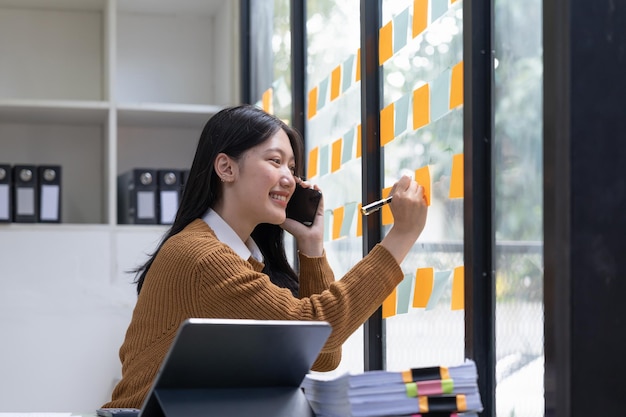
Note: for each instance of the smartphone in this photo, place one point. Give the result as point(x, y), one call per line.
point(303, 205)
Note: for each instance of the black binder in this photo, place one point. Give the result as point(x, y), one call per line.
point(49, 193)
point(236, 368)
point(6, 204)
point(25, 201)
point(137, 196)
point(169, 194)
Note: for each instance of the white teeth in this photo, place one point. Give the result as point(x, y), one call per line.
point(279, 197)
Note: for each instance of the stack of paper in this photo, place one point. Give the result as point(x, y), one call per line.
point(446, 391)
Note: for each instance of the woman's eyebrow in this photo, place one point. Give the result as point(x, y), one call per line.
point(282, 152)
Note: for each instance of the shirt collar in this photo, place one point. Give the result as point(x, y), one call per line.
point(227, 235)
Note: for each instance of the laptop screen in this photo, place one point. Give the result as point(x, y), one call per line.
point(227, 353)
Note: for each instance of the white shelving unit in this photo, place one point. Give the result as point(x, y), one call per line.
point(98, 87)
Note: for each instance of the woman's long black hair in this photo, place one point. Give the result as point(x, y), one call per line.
point(233, 131)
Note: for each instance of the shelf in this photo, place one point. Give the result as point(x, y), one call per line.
point(168, 115)
point(56, 112)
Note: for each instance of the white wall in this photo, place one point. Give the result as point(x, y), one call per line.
point(65, 303)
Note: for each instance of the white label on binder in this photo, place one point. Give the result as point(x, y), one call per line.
point(25, 201)
point(145, 205)
point(50, 202)
point(169, 206)
point(4, 201)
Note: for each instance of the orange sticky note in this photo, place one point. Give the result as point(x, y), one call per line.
point(359, 221)
point(458, 289)
point(385, 43)
point(312, 110)
point(337, 222)
point(335, 83)
point(314, 155)
point(420, 16)
point(389, 305)
point(456, 86)
point(387, 124)
point(421, 106)
point(456, 176)
point(358, 141)
point(387, 217)
point(267, 101)
point(335, 162)
point(357, 77)
point(424, 279)
point(422, 176)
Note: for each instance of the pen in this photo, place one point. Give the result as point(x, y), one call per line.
point(376, 205)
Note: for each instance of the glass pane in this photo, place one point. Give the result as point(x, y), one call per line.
point(333, 135)
point(274, 90)
point(421, 50)
point(518, 208)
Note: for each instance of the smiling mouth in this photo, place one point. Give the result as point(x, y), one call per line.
point(278, 197)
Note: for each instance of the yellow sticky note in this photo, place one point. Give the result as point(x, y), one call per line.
point(335, 162)
point(387, 124)
point(337, 222)
point(422, 176)
point(389, 305)
point(358, 141)
point(456, 86)
point(458, 289)
point(387, 217)
point(385, 43)
point(312, 110)
point(335, 83)
point(424, 279)
point(421, 106)
point(420, 16)
point(314, 155)
point(456, 176)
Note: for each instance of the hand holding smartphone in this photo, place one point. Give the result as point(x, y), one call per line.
point(303, 205)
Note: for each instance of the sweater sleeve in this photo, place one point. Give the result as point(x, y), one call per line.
point(228, 287)
point(315, 275)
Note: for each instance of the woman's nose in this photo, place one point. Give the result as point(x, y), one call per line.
point(288, 180)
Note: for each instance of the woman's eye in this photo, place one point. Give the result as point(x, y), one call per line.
point(276, 161)
point(293, 170)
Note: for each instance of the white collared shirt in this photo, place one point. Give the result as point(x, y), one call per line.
point(227, 235)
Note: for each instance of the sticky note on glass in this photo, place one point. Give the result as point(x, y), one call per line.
point(422, 176)
point(335, 83)
point(458, 288)
point(312, 162)
point(456, 176)
point(424, 278)
point(387, 127)
point(335, 162)
point(385, 43)
point(267, 100)
point(387, 217)
point(337, 222)
point(389, 305)
point(312, 109)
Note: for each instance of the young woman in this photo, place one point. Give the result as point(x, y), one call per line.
point(224, 256)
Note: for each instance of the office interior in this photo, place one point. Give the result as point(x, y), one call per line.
point(511, 112)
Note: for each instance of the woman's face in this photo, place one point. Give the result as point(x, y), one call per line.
point(265, 180)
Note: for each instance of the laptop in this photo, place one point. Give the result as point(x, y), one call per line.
point(228, 367)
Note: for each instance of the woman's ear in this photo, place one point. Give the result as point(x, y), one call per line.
point(224, 167)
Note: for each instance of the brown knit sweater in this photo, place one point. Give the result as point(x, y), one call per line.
point(196, 275)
